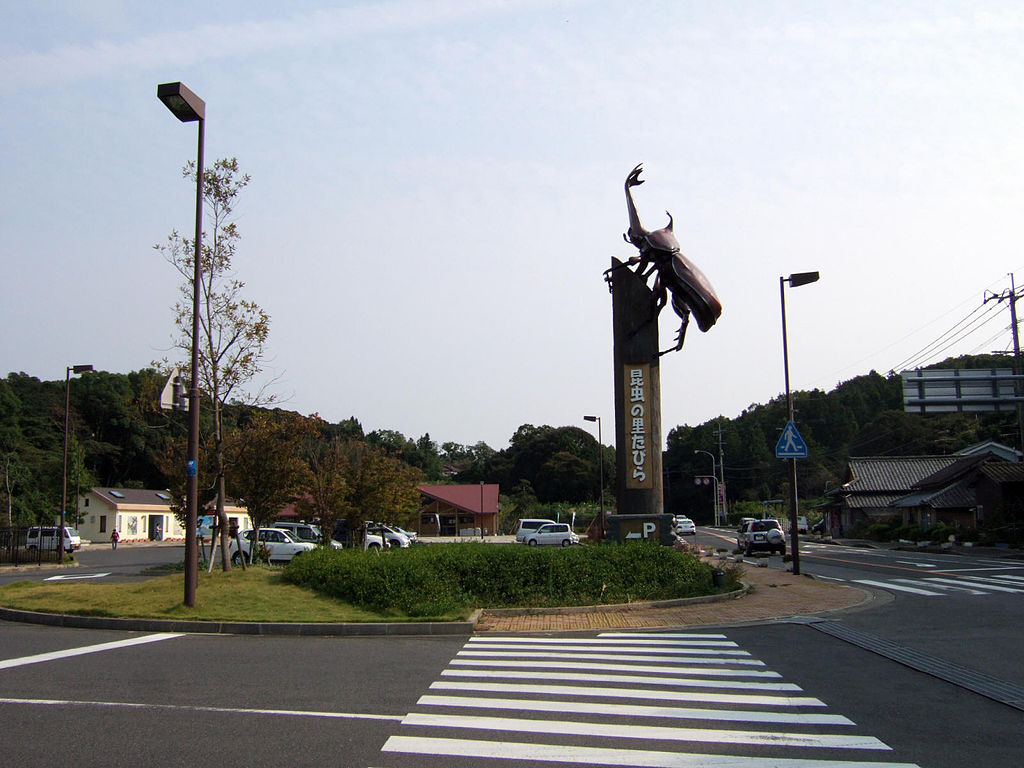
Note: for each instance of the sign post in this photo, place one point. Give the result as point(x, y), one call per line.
point(791, 446)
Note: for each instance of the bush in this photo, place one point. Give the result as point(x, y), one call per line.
point(442, 580)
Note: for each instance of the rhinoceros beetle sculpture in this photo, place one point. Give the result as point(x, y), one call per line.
point(659, 253)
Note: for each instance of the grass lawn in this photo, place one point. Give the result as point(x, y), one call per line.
point(257, 594)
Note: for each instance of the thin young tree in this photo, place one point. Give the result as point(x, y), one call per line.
point(233, 329)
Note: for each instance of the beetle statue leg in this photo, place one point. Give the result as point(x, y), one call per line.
point(680, 335)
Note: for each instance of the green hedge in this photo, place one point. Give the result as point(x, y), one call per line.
point(453, 579)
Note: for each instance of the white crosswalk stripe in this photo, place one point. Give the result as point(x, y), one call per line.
point(937, 585)
point(624, 699)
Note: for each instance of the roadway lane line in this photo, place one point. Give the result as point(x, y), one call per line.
point(649, 732)
point(522, 649)
point(583, 677)
point(897, 587)
point(633, 710)
point(219, 710)
point(68, 653)
point(527, 752)
point(625, 693)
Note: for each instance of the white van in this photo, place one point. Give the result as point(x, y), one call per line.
point(46, 538)
point(527, 526)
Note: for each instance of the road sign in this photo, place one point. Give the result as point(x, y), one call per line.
point(790, 445)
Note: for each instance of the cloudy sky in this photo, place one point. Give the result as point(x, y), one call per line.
point(437, 188)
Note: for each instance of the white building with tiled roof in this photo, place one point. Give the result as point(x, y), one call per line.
point(138, 514)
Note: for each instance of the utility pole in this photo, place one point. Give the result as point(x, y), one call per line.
point(721, 479)
point(1011, 296)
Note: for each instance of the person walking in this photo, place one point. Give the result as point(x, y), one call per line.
point(114, 538)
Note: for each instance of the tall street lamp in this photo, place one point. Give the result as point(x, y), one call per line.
point(64, 474)
point(715, 505)
point(795, 281)
point(600, 461)
point(189, 108)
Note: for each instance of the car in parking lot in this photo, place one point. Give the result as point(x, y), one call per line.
point(46, 537)
point(280, 546)
point(552, 534)
point(526, 526)
point(761, 536)
point(304, 532)
point(685, 526)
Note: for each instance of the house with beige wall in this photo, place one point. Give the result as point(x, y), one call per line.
point(138, 515)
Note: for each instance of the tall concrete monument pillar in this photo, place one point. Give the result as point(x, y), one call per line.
point(638, 478)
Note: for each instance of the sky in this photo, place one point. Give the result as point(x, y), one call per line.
point(437, 187)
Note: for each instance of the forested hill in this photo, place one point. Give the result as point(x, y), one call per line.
point(119, 437)
point(860, 417)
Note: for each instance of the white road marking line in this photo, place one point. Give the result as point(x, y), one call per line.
point(73, 577)
point(977, 582)
point(605, 656)
point(595, 756)
point(897, 587)
point(596, 641)
point(632, 710)
point(711, 671)
point(1008, 577)
point(670, 635)
point(648, 732)
point(956, 587)
point(916, 564)
point(222, 710)
point(642, 679)
point(623, 693)
point(68, 653)
point(619, 651)
point(586, 665)
point(988, 568)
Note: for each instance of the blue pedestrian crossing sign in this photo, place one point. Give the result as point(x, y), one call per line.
point(790, 445)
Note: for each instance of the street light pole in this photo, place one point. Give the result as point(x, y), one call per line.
point(64, 473)
point(600, 461)
point(795, 281)
point(715, 505)
point(188, 108)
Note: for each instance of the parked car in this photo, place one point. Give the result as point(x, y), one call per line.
point(801, 524)
point(281, 547)
point(818, 527)
point(554, 534)
point(685, 526)
point(45, 537)
point(412, 536)
point(526, 526)
point(304, 532)
point(373, 539)
point(760, 536)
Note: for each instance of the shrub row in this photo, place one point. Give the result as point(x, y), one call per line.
point(452, 579)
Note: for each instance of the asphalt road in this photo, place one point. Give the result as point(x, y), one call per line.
point(778, 694)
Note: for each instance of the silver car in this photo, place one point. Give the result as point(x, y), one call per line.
point(553, 534)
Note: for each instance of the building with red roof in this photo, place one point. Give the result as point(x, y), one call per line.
point(458, 510)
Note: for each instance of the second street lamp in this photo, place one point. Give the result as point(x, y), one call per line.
point(795, 281)
point(600, 461)
point(715, 505)
point(189, 108)
point(64, 473)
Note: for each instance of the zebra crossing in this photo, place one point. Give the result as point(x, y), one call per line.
point(663, 700)
point(945, 585)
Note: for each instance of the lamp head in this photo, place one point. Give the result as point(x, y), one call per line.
point(184, 104)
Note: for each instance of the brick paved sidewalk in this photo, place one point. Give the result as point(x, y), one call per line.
point(773, 594)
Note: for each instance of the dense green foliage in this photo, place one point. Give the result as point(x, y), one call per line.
point(119, 437)
point(451, 579)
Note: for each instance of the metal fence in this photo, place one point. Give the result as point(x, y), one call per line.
point(14, 550)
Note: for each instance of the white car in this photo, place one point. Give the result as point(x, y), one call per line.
point(412, 536)
point(46, 538)
point(372, 539)
point(554, 534)
point(280, 546)
point(685, 526)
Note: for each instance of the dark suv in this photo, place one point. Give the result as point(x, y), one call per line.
point(760, 536)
